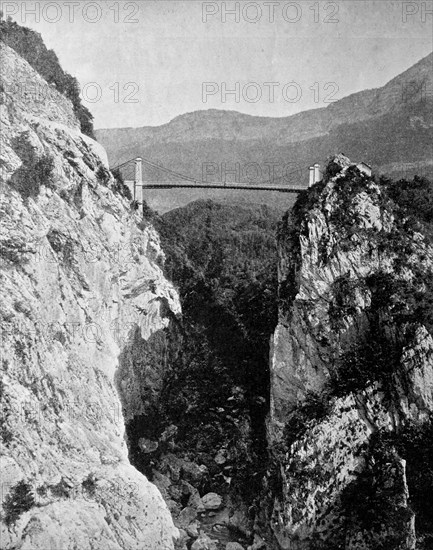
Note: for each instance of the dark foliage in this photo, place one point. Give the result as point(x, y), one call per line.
point(415, 444)
point(223, 260)
point(19, 500)
point(198, 373)
point(289, 230)
point(344, 289)
point(29, 45)
point(383, 288)
point(406, 301)
point(89, 485)
point(103, 174)
point(347, 187)
point(305, 202)
point(374, 359)
point(27, 180)
point(315, 407)
point(372, 501)
point(120, 186)
point(61, 489)
point(332, 168)
point(149, 214)
point(414, 197)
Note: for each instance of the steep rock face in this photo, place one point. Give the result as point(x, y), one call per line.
point(348, 365)
point(81, 275)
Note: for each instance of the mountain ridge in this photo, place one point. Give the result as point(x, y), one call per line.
point(235, 116)
point(390, 128)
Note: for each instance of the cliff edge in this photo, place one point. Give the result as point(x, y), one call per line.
point(352, 369)
point(81, 273)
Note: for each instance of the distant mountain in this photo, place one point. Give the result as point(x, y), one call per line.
point(389, 128)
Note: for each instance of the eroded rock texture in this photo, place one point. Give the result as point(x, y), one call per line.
point(81, 276)
point(351, 367)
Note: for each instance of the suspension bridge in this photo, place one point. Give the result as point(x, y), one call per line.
point(132, 173)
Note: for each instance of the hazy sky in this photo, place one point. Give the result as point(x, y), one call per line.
point(311, 52)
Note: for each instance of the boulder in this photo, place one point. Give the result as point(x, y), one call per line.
point(192, 472)
point(258, 544)
point(169, 432)
point(212, 501)
point(204, 543)
point(239, 521)
point(221, 457)
point(147, 445)
point(196, 502)
point(193, 529)
point(182, 540)
point(186, 516)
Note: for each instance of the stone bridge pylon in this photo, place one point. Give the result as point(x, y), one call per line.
point(136, 185)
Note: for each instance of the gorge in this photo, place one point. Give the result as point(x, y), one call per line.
point(216, 377)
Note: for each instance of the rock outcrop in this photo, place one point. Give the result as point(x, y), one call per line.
point(81, 276)
point(351, 367)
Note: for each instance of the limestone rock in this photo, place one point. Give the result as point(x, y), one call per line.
point(212, 501)
point(204, 543)
point(258, 544)
point(147, 445)
point(196, 502)
point(186, 516)
point(182, 541)
point(81, 276)
point(239, 520)
point(221, 457)
point(339, 239)
point(193, 529)
point(193, 472)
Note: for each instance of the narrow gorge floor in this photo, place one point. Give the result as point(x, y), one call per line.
point(198, 432)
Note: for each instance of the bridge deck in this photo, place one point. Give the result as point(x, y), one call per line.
point(219, 185)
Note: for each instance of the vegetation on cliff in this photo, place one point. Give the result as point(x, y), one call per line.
point(64, 258)
point(376, 315)
point(29, 45)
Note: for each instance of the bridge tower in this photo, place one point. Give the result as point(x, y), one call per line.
point(311, 180)
point(315, 174)
point(138, 180)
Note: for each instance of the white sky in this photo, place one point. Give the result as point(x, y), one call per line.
point(169, 52)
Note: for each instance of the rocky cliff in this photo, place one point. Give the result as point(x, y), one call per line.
point(351, 370)
point(81, 276)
